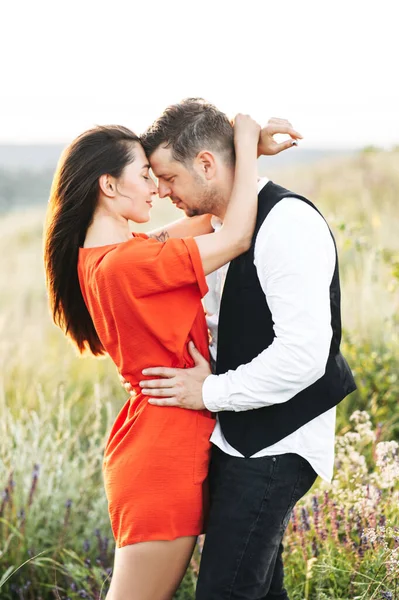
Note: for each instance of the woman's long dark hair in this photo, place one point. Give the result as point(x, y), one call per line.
point(73, 200)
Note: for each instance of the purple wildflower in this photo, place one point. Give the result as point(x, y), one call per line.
point(305, 519)
point(35, 476)
point(315, 549)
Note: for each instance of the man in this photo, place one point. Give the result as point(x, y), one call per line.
point(279, 371)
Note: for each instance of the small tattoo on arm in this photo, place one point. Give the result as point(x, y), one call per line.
point(162, 236)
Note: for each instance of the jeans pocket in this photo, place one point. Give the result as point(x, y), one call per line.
point(202, 447)
point(305, 479)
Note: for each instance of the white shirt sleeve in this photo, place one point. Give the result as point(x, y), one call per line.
point(295, 261)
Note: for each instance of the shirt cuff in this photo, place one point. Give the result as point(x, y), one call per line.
point(214, 394)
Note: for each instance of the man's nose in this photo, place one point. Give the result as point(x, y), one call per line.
point(163, 190)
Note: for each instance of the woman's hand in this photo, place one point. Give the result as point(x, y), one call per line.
point(246, 132)
point(267, 144)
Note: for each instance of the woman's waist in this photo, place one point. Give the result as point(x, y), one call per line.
point(142, 425)
point(138, 402)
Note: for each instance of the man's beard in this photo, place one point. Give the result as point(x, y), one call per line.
point(208, 201)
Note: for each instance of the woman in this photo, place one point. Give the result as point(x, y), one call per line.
point(139, 300)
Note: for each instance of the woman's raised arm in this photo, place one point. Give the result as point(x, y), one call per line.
point(235, 235)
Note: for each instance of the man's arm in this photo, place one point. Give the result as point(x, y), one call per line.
point(295, 260)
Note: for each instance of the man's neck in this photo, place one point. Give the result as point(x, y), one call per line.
point(225, 190)
point(220, 208)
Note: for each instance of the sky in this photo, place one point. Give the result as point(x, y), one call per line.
point(330, 67)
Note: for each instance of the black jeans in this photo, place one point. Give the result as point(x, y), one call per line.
point(251, 503)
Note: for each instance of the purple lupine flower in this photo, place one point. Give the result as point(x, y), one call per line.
point(105, 545)
point(334, 521)
point(22, 517)
point(387, 595)
point(5, 496)
point(316, 513)
point(86, 545)
point(294, 520)
point(98, 536)
point(68, 505)
point(315, 548)
point(35, 477)
point(305, 519)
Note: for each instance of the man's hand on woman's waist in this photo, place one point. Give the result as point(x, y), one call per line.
point(177, 387)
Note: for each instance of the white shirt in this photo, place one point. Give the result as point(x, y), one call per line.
point(295, 261)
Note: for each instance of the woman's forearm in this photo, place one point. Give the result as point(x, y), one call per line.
point(239, 220)
point(186, 227)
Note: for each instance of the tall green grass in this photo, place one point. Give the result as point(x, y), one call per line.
point(56, 410)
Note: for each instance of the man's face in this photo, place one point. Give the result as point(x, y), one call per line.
point(187, 188)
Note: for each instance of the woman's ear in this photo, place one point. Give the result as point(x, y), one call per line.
point(107, 185)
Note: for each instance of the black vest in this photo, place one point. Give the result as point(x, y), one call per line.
point(246, 329)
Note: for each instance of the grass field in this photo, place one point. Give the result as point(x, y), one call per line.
point(56, 410)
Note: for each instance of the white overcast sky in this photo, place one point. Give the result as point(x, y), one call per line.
point(330, 66)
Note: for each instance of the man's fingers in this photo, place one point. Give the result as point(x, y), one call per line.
point(166, 402)
point(159, 392)
point(158, 383)
point(196, 355)
point(159, 372)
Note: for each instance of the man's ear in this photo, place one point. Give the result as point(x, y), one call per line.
point(206, 163)
point(107, 185)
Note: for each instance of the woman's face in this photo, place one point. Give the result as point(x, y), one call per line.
point(135, 189)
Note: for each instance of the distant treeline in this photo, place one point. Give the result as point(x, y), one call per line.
point(23, 187)
point(26, 175)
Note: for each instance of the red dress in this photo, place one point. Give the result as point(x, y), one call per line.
point(144, 297)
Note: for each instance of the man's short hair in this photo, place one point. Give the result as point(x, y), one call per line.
point(188, 128)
